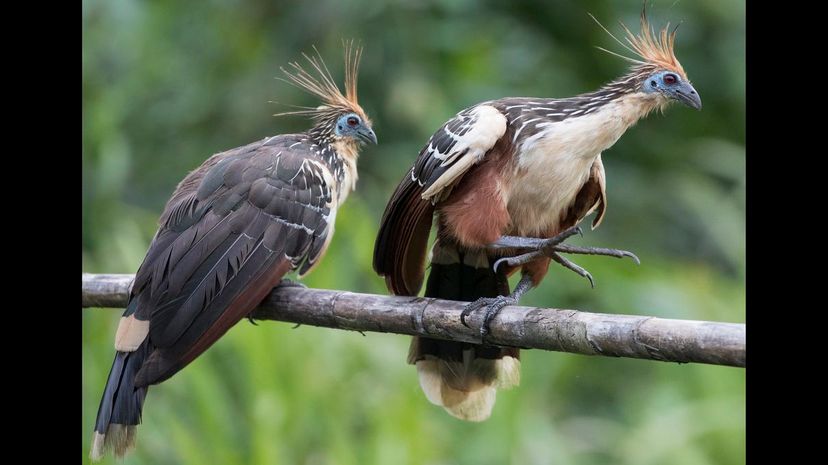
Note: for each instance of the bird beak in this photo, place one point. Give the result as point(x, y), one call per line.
point(366, 135)
point(686, 94)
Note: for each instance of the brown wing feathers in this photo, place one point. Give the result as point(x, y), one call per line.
point(239, 295)
point(210, 271)
point(402, 240)
point(401, 246)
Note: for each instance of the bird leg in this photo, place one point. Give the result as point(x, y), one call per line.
point(493, 305)
point(552, 248)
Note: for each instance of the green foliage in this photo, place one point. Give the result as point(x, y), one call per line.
point(166, 84)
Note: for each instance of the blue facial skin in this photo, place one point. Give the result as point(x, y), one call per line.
point(672, 86)
point(351, 125)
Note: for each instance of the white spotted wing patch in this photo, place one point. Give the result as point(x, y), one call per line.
point(460, 143)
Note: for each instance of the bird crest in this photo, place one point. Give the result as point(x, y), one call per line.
point(654, 48)
point(323, 86)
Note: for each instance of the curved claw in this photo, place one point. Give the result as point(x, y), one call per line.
point(499, 262)
point(468, 309)
point(251, 320)
point(589, 277)
point(631, 255)
point(463, 319)
point(572, 266)
point(553, 241)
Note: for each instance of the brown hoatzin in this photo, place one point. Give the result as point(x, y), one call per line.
point(509, 180)
point(232, 229)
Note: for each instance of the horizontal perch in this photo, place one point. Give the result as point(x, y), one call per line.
point(517, 326)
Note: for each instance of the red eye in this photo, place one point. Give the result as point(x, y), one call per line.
point(670, 79)
point(352, 121)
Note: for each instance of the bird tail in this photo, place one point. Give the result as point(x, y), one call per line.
point(121, 404)
point(460, 377)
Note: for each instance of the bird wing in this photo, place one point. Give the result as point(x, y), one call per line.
point(230, 232)
point(402, 240)
point(591, 197)
point(459, 144)
point(598, 177)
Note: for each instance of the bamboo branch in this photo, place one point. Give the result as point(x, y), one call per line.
point(517, 326)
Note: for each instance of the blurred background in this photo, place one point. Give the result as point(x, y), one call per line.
point(166, 84)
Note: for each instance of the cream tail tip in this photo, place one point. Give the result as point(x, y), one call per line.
point(119, 438)
point(472, 405)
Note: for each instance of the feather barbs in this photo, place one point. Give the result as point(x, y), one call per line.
point(654, 48)
point(319, 82)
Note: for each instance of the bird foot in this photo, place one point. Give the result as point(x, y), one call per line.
point(552, 248)
point(492, 306)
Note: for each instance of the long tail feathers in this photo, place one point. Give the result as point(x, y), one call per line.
point(121, 405)
point(463, 378)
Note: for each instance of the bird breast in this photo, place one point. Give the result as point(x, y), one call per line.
point(552, 165)
point(543, 187)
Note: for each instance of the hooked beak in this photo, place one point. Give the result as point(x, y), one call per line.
point(686, 94)
point(366, 135)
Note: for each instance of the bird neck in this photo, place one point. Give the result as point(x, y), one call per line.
point(624, 111)
point(345, 147)
point(322, 133)
point(348, 151)
point(589, 130)
point(340, 154)
point(603, 116)
point(623, 93)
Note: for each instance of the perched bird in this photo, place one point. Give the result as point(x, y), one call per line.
point(232, 229)
point(505, 177)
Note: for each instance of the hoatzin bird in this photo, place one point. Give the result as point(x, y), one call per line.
point(509, 180)
point(232, 229)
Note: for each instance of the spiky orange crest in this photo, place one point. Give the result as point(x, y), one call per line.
point(324, 86)
point(654, 49)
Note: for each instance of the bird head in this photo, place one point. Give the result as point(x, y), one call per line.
point(339, 118)
point(658, 72)
point(670, 85)
point(352, 125)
